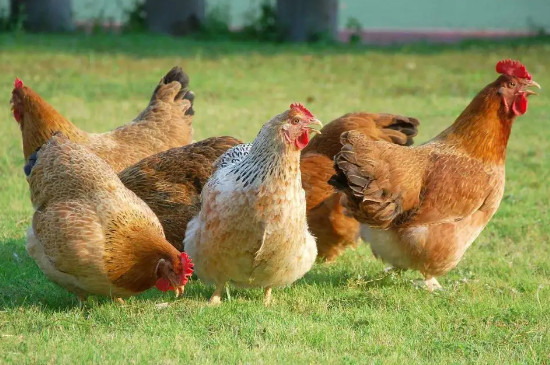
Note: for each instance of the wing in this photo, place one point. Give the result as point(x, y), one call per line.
point(394, 186)
point(382, 181)
point(71, 236)
point(233, 155)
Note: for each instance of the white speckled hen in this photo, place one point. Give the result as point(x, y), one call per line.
point(252, 230)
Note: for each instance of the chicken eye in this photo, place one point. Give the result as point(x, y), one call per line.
point(511, 84)
point(294, 121)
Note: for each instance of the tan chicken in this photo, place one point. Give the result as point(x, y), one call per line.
point(90, 234)
point(171, 182)
point(251, 230)
point(164, 124)
point(333, 229)
point(421, 207)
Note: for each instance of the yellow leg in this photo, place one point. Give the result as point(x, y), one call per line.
point(432, 284)
point(216, 298)
point(119, 301)
point(267, 296)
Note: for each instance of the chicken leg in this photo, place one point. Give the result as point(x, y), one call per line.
point(432, 284)
point(267, 296)
point(216, 297)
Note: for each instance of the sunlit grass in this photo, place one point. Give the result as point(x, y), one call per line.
point(496, 303)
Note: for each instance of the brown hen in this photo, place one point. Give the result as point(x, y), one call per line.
point(89, 233)
point(164, 124)
point(423, 206)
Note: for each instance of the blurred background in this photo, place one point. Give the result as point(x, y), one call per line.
point(356, 21)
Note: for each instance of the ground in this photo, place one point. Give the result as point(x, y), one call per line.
point(496, 304)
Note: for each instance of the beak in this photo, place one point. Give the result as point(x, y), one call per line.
point(531, 83)
point(315, 122)
point(179, 290)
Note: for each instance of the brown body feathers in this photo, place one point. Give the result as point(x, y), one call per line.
point(423, 206)
point(164, 124)
point(171, 182)
point(90, 234)
point(333, 229)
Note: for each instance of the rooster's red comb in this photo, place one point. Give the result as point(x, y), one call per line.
point(302, 108)
point(513, 68)
point(18, 84)
point(187, 268)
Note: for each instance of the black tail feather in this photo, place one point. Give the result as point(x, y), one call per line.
point(31, 162)
point(177, 74)
point(406, 125)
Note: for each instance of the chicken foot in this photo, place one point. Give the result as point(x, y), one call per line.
point(216, 297)
point(430, 283)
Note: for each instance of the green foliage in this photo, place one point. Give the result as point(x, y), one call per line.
point(13, 22)
point(496, 304)
point(216, 24)
point(355, 26)
point(136, 18)
point(263, 26)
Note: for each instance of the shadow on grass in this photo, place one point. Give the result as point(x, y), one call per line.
point(23, 285)
point(149, 45)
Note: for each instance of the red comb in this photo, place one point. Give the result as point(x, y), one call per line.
point(187, 269)
point(301, 108)
point(513, 68)
point(18, 84)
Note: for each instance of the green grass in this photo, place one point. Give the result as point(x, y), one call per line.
point(496, 303)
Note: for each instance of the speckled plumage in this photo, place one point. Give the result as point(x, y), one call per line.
point(164, 124)
point(171, 182)
point(334, 230)
point(89, 233)
point(233, 155)
point(251, 230)
point(422, 207)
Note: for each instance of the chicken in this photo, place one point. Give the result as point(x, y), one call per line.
point(333, 229)
point(251, 229)
point(164, 124)
point(421, 207)
point(90, 234)
point(171, 182)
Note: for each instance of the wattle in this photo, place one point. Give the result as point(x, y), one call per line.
point(302, 141)
point(520, 105)
point(17, 115)
point(163, 284)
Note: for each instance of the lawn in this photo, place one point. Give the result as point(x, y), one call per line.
point(496, 304)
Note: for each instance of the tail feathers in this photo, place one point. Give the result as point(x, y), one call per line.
point(401, 129)
point(176, 74)
point(31, 162)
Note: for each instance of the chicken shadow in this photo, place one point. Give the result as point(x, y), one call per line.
point(338, 276)
point(23, 285)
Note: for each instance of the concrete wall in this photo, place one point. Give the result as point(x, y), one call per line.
point(515, 15)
